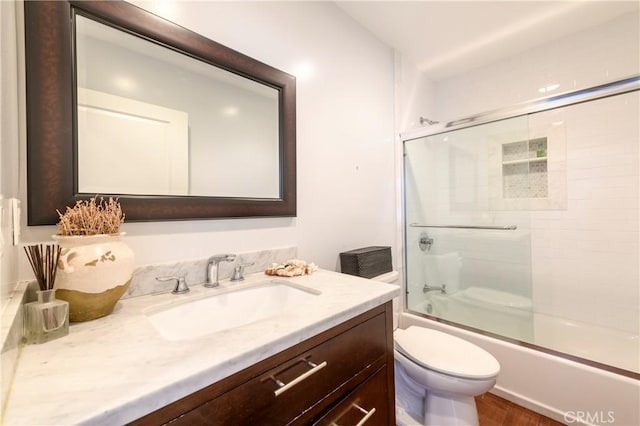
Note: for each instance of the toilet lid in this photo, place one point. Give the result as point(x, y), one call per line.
point(445, 353)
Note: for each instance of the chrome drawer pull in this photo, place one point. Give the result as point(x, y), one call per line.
point(367, 414)
point(315, 368)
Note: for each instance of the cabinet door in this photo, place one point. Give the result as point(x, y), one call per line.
point(366, 406)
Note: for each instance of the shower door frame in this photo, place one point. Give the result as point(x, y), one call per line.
point(618, 87)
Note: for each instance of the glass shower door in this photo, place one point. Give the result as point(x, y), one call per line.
point(467, 200)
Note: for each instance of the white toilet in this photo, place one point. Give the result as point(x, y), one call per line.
point(437, 376)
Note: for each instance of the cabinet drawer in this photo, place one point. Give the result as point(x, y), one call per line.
point(278, 396)
point(366, 406)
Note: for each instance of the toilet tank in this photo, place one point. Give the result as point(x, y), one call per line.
point(392, 277)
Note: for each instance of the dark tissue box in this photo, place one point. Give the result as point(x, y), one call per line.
point(366, 262)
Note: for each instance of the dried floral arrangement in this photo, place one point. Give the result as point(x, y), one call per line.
point(91, 217)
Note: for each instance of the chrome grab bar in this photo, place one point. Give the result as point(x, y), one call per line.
point(285, 387)
point(499, 228)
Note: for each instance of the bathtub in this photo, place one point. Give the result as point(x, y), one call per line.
point(487, 309)
point(559, 387)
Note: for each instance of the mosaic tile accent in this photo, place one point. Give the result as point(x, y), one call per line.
point(515, 180)
point(524, 169)
point(515, 151)
point(538, 180)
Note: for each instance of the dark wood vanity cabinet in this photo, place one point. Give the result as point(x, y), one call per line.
point(339, 377)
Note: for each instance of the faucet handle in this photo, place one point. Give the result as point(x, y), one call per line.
point(181, 285)
point(238, 271)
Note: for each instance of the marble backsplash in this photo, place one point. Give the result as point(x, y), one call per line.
point(194, 271)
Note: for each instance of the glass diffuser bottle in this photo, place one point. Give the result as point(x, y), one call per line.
point(47, 318)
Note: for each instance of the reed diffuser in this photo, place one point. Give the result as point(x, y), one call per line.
point(47, 318)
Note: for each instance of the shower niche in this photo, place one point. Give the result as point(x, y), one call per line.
point(525, 169)
point(528, 167)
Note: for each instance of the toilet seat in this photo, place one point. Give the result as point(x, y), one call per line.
point(454, 356)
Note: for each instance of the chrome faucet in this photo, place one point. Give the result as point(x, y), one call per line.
point(442, 289)
point(213, 266)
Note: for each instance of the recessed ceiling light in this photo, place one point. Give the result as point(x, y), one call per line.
point(303, 70)
point(230, 111)
point(124, 83)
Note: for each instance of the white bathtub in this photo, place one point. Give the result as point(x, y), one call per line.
point(511, 316)
point(486, 309)
point(568, 391)
point(611, 347)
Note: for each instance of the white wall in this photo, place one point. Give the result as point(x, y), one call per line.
point(602, 54)
point(345, 155)
point(415, 94)
point(9, 134)
point(595, 56)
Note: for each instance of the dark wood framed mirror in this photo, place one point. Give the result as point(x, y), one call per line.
point(54, 113)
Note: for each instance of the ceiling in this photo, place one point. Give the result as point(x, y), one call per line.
point(445, 38)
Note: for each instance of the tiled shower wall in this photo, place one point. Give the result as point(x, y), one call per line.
point(585, 258)
point(585, 255)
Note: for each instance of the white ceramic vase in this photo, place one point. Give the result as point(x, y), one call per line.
point(93, 273)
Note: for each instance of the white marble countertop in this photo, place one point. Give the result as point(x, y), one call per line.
point(118, 368)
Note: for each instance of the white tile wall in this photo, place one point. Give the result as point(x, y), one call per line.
point(585, 259)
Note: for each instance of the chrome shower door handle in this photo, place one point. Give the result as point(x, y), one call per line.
point(425, 242)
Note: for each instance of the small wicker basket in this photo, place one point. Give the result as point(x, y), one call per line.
point(366, 262)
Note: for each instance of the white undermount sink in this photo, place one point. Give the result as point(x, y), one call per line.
point(228, 309)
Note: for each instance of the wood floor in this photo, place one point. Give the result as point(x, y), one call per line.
point(495, 411)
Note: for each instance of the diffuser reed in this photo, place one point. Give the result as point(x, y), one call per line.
point(44, 262)
point(47, 318)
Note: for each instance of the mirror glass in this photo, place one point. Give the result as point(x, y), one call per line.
point(152, 121)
